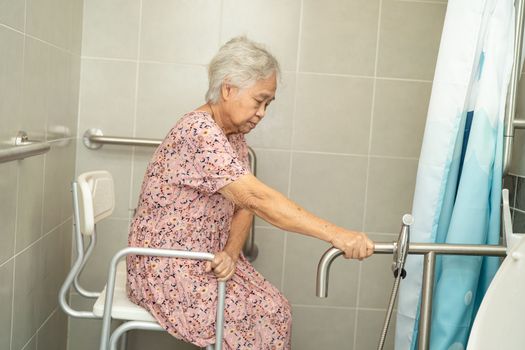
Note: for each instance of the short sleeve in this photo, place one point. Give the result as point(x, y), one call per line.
point(240, 147)
point(215, 160)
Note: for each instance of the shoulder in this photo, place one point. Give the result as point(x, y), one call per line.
point(196, 125)
point(195, 121)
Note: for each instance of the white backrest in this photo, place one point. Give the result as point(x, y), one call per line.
point(96, 199)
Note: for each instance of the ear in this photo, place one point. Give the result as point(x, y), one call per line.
point(228, 91)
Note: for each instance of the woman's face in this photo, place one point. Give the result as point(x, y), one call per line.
point(246, 107)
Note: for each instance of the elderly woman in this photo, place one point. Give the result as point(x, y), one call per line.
point(199, 195)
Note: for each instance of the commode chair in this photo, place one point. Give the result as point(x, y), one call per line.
point(94, 200)
point(501, 316)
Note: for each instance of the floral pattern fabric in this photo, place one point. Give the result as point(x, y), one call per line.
point(179, 208)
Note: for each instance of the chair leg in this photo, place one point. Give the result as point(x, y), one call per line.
point(124, 341)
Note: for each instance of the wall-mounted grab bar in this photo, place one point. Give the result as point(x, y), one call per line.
point(510, 111)
point(95, 139)
point(429, 250)
point(22, 148)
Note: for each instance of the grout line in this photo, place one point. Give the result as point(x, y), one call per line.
point(294, 115)
point(307, 306)
point(39, 328)
point(135, 109)
point(17, 186)
point(132, 60)
point(54, 229)
point(44, 161)
point(357, 76)
point(335, 307)
point(335, 153)
point(7, 261)
point(13, 28)
point(370, 135)
point(96, 58)
point(425, 2)
point(515, 179)
point(221, 15)
point(297, 72)
point(518, 210)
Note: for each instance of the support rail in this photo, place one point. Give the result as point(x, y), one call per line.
point(429, 250)
point(95, 139)
point(510, 112)
point(23, 148)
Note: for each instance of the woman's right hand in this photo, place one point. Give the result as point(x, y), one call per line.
point(355, 245)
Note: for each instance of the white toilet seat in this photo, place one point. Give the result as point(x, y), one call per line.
point(501, 317)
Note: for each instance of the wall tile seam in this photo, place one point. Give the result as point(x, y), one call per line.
point(40, 40)
point(12, 304)
point(522, 211)
point(357, 155)
point(118, 218)
point(190, 64)
point(142, 61)
point(425, 2)
point(294, 112)
point(17, 193)
point(356, 76)
point(368, 163)
point(60, 140)
point(7, 26)
point(64, 50)
point(55, 229)
point(516, 175)
point(35, 335)
point(220, 32)
point(43, 194)
point(135, 109)
point(332, 307)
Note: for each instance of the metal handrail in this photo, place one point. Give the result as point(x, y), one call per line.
point(429, 250)
point(23, 148)
point(510, 112)
point(94, 139)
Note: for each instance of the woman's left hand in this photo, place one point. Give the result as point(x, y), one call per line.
point(223, 266)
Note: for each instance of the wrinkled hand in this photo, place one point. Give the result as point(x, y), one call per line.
point(223, 266)
point(355, 245)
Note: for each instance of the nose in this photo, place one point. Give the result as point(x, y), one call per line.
point(261, 111)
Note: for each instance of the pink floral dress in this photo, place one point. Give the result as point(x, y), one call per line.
point(179, 208)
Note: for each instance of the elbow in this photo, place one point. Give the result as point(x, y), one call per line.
point(252, 202)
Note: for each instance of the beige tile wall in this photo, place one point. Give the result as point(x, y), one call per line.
point(39, 81)
point(342, 138)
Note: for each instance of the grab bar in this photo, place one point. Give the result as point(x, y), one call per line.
point(23, 148)
point(94, 139)
point(429, 250)
point(510, 112)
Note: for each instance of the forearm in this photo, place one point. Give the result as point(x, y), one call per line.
point(251, 194)
point(282, 212)
point(240, 227)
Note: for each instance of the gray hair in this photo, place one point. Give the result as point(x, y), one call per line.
point(240, 62)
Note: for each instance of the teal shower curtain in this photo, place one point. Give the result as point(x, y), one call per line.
point(458, 187)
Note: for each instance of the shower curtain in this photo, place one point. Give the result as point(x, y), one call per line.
point(458, 187)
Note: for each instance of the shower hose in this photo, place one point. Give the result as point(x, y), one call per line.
point(398, 264)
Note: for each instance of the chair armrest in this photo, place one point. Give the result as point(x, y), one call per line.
point(106, 320)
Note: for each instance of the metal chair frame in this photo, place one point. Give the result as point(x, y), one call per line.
point(107, 340)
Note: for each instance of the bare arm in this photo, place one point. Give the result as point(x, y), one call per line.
point(240, 227)
point(224, 263)
point(250, 193)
